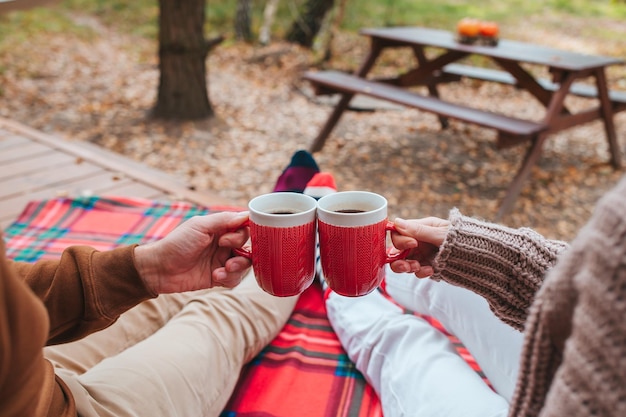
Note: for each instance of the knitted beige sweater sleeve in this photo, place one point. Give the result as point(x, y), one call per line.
point(504, 265)
point(574, 357)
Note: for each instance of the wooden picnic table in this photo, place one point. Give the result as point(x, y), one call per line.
point(565, 68)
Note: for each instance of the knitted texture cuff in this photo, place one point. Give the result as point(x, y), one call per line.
point(504, 265)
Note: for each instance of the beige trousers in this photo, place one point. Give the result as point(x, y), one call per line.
point(174, 356)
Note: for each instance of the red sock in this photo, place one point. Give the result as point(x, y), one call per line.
point(320, 185)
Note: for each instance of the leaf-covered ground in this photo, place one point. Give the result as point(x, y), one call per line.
point(100, 90)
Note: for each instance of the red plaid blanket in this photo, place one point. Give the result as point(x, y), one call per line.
point(304, 372)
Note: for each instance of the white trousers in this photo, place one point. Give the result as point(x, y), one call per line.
point(179, 355)
point(413, 367)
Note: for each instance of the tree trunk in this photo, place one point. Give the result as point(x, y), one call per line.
point(268, 19)
point(183, 92)
point(242, 21)
point(334, 29)
point(304, 29)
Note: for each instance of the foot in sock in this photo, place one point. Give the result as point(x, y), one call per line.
point(298, 173)
point(322, 183)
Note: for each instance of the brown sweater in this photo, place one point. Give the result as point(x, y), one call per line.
point(54, 302)
point(574, 357)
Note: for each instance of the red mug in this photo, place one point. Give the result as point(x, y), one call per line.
point(282, 236)
point(352, 227)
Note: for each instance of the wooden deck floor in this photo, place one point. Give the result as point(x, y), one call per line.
point(35, 165)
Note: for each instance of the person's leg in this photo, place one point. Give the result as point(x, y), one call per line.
point(193, 361)
point(413, 367)
point(495, 345)
point(132, 327)
point(294, 178)
point(191, 365)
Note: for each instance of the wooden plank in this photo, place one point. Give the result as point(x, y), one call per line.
point(347, 83)
point(104, 181)
point(133, 189)
point(22, 151)
point(34, 164)
point(46, 178)
point(505, 50)
point(117, 163)
point(618, 98)
point(10, 139)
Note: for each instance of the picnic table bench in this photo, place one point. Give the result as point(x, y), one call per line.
point(510, 130)
point(617, 98)
point(567, 69)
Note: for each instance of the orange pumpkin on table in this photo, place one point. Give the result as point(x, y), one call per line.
point(468, 27)
point(489, 29)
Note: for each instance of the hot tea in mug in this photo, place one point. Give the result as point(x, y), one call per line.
point(282, 234)
point(352, 227)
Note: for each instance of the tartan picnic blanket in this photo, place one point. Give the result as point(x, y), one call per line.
point(305, 360)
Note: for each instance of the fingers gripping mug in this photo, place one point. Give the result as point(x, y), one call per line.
point(352, 227)
point(282, 234)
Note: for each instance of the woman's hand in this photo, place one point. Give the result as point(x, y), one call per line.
point(423, 237)
point(196, 255)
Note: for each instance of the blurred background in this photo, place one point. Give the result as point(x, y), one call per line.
point(212, 92)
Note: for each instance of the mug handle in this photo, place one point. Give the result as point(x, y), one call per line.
point(246, 252)
point(402, 255)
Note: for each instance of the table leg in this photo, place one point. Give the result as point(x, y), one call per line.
point(532, 156)
point(557, 102)
point(418, 51)
point(341, 106)
point(428, 68)
point(607, 115)
point(554, 108)
point(526, 81)
point(332, 120)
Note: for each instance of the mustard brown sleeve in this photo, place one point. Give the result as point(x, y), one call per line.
point(85, 290)
point(27, 382)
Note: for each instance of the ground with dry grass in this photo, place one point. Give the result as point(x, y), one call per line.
point(100, 90)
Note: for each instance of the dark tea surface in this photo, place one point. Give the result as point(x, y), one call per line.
point(349, 211)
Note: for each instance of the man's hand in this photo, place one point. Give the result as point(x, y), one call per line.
point(196, 255)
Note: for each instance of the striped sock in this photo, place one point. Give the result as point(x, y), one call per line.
point(298, 173)
point(319, 273)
